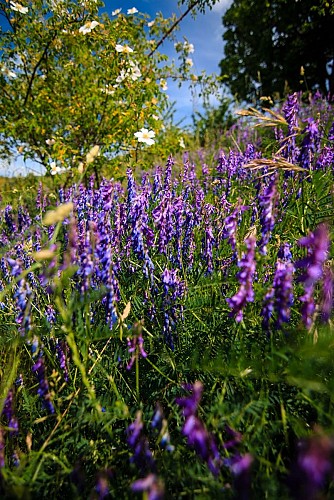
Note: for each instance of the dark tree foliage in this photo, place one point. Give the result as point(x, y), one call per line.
point(268, 42)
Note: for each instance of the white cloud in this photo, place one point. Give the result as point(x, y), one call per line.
point(222, 5)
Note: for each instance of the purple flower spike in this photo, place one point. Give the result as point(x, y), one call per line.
point(327, 294)
point(267, 203)
point(8, 412)
point(195, 431)
point(136, 345)
point(151, 485)
point(245, 276)
point(136, 440)
point(314, 466)
point(317, 244)
point(43, 390)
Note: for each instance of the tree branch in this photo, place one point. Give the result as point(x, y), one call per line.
point(172, 28)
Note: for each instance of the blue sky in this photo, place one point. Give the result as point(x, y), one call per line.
point(204, 32)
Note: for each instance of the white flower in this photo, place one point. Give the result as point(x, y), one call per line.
point(188, 48)
point(50, 142)
point(18, 8)
point(135, 72)
point(150, 24)
point(88, 27)
point(55, 169)
point(115, 12)
point(146, 136)
point(189, 62)
point(163, 84)
point(121, 76)
point(155, 117)
point(8, 72)
point(107, 90)
point(132, 11)
point(181, 142)
point(123, 49)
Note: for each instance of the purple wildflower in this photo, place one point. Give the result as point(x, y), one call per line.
point(136, 345)
point(22, 297)
point(310, 143)
point(317, 244)
point(280, 297)
point(2, 447)
point(288, 144)
point(326, 305)
point(43, 389)
point(245, 276)
point(50, 314)
point(62, 351)
point(8, 412)
point(195, 431)
point(313, 468)
point(142, 456)
point(102, 485)
point(230, 224)
point(160, 424)
point(173, 290)
point(267, 203)
point(151, 485)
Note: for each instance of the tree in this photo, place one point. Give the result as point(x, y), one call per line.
point(73, 79)
point(279, 46)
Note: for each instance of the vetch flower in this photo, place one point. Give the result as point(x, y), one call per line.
point(88, 27)
point(151, 485)
point(18, 8)
point(195, 431)
point(313, 467)
point(43, 390)
point(123, 49)
point(132, 11)
point(317, 244)
point(245, 276)
point(137, 440)
point(146, 136)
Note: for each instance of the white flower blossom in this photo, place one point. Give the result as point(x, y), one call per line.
point(50, 142)
point(163, 84)
point(88, 27)
point(123, 49)
point(135, 72)
point(150, 24)
point(116, 12)
point(146, 136)
point(181, 142)
point(55, 169)
point(155, 117)
point(188, 48)
point(121, 77)
point(18, 8)
point(189, 62)
point(132, 11)
point(8, 72)
point(107, 90)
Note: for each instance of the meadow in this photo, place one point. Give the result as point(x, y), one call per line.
point(167, 331)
